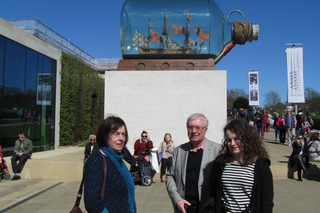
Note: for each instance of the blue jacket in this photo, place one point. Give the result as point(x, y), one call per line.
point(290, 121)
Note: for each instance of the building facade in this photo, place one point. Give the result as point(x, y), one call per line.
point(29, 89)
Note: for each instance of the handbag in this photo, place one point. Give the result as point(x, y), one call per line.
point(76, 208)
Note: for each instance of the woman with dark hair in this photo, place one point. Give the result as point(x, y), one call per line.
point(299, 156)
point(119, 191)
point(314, 147)
point(241, 179)
point(142, 144)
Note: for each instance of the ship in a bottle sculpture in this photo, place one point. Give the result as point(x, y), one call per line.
point(175, 30)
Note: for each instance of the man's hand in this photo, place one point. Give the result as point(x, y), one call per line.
point(180, 205)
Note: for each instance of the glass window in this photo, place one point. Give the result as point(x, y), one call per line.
point(27, 95)
point(13, 110)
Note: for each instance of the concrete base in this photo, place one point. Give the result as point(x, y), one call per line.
point(161, 101)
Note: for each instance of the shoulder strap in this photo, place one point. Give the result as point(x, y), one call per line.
point(79, 195)
point(77, 203)
point(105, 177)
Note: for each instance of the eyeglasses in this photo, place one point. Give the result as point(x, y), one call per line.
point(144, 136)
point(300, 138)
point(197, 128)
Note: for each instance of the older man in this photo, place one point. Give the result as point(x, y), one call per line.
point(22, 152)
point(191, 166)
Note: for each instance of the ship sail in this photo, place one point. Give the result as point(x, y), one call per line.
point(156, 38)
point(172, 45)
point(140, 40)
point(203, 35)
point(177, 29)
point(192, 43)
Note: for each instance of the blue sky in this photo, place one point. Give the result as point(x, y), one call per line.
point(94, 27)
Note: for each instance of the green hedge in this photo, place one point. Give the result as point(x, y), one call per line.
point(82, 100)
point(316, 120)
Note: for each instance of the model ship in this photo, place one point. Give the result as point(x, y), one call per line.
point(170, 46)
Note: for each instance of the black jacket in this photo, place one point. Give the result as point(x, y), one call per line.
point(87, 150)
point(296, 149)
point(262, 191)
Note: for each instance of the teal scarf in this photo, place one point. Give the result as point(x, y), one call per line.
point(124, 172)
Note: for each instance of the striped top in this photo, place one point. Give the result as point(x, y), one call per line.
point(237, 183)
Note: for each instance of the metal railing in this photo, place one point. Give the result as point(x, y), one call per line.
point(45, 33)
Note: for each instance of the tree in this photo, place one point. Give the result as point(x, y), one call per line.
point(312, 98)
point(272, 98)
point(233, 94)
point(310, 93)
point(241, 102)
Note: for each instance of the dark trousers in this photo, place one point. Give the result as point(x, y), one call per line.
point(299, 165)
point(165, 165)
point(17, 168)
point(283, 135)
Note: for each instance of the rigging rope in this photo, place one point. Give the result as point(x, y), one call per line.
point(241, 32)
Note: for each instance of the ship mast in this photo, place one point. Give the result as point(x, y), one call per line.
point(187, 34)
point(149, 35)
point(165, 34)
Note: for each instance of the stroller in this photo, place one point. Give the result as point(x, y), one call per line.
point(4, 171)
point(140, 167)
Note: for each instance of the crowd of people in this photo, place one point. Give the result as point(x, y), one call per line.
point(200, 175)
point(286, 124)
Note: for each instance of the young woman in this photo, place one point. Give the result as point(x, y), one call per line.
point(119, 188)
point(166, 147)
point(241, 180)
point(299, 156)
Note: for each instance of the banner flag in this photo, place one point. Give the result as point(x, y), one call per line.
point(253, 88)
point(295, 75)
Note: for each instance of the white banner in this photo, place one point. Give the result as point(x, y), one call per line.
point(253, 88)
point(295, 75)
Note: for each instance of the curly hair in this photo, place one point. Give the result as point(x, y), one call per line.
point(314, 137)
point(252, 143)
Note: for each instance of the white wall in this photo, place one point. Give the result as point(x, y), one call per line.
point(161, 101)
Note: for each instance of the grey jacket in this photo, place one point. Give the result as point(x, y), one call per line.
point(176, 176)
point(26, 147)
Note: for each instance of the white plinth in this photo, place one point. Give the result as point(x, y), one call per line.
point(161, 101)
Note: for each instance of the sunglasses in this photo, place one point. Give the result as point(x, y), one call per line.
point(300, 138)
point(92, 139)
point(144, 136)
